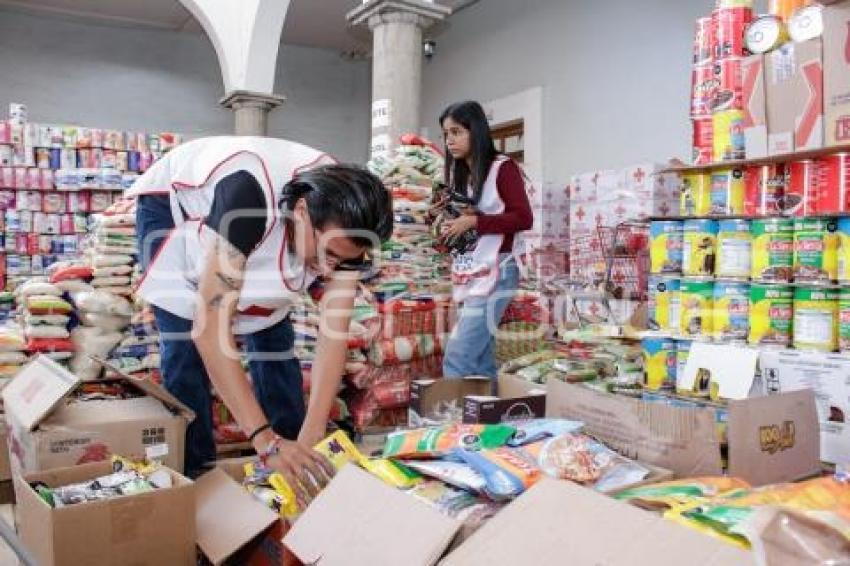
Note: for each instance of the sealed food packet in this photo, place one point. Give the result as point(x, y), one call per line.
point(394, 473)
point(825, 499)
point(666, 495)
point(445, 498)
point(507, 471)
point(438, 441)
point(783, 536)
point(582, 459)
point(528, 432)
point(457, 474)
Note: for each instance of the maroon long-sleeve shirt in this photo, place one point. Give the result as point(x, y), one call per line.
point(517, 215)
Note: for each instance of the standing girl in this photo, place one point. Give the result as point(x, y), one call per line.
point(484, 277)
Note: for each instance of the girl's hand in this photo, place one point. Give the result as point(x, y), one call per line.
point(456, 227)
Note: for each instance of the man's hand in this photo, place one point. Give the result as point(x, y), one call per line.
point(309, 438)
point(304, 469)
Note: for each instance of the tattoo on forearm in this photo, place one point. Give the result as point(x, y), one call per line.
point(230, 282)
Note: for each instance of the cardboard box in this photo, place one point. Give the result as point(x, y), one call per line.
point(233, 527)
point(46, 432)
point(5, 467)
point(148, 529)
point(755, 107)
point(828, 375)
point(836, 69)
point(429, 398)
point(794, 86)
point(360, 521)
point(771, 439)
point(512, 386)
point(557, 523)
point(494, 410)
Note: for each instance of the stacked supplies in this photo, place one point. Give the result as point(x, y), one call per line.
point(7, 305)
point(46, 317)
point(12, 349)
point(52, 177)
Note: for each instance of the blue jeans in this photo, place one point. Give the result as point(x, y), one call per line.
point(276, 376)
point(470, 350)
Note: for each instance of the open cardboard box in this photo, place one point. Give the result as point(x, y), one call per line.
point(233, 527)
point(45, 432)
point(770, 438)
point(555, 522)
point(428, 397)
point(148, 529)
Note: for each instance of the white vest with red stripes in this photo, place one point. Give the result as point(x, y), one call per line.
point(475, 273)
point(188, 175)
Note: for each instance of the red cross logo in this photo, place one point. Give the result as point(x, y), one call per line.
point(580, 214)
point(639, 176)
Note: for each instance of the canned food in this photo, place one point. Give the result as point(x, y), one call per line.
point(734, 249)
point(659, 357)
point(815, 319)
point(765, 34)
point(663, 304)
point(683, 350)
point(728, 85)
point(42, 158)
point(696, 195)
point(727, 192)
point(844, 320)
point(834, 184)
point(731, 312)
point(696, 305)
point(728, 132)
point(784, 9)
point(815, 250)
point(765, 188)
point(803, 185)
point(703, 40)
point(806, 23)
point(771, 315)
point(729, 30)
point(699, 247)
point(703, 140)
point(704, 84)
point(844, 250)
point(665, 252)
point(773, 249)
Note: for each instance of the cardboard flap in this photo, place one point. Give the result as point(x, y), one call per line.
point(37, 389)
point(227, 516)
point(732, 368)
point(152, 389)
point(360, 521)
point(775, 438)
point(558, 522)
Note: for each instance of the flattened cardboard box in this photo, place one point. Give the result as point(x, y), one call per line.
point(836, 70)
point(771, 439)
point(556, 523)
point(360, 521)
point(45, 432)
point(148, 529)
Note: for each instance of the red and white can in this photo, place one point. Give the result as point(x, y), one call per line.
point(730, 24)
point(704, 40)
point(834, 184)
point(66, 224)
point(703, 140)
point(703, 89)
point(803, 188)
point(765, 188)
point(729, 78)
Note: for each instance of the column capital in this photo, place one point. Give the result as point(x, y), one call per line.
point(238, 99)
point(421, 13)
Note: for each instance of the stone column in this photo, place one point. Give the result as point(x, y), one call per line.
point(397, 27)
point(251, 111)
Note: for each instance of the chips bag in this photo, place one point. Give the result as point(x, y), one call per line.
point(663, 496)
point(507, 471)
point(438, 441)
point(528, 432)
point(391, 472)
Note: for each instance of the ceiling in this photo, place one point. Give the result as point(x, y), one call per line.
point(312, 23)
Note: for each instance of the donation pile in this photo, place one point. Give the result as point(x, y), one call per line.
point(128, 478)
point(408, 260)
point(46, 318)
point(113, 250)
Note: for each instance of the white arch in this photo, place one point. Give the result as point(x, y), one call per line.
point(246, 37)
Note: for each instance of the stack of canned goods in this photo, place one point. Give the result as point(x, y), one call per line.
point(766, 281)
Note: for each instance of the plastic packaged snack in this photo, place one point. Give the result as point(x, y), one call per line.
point(528, 432)
point(663, 496)
point(457, 474)
point(438, 441)
point(507, 471)
point(394, 473)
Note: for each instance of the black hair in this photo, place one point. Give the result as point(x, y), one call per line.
point(483, 151)
point(346, 195)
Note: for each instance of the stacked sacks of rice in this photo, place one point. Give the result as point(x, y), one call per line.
point(7, 305)
point(13, 348)
point(409, 259)
point(113, 252)
point(103, 316)
point(46, 318)
point(140, 342)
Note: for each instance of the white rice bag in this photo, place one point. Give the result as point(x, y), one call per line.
point(106, 322)
point(12, 358)
point(91, 341)
point(74, 286)
point(46, 319)
point(33, 287)
point(42, 331)
point(109, 260)
point(118, 281)
point(113, 271)
point(103, 302)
